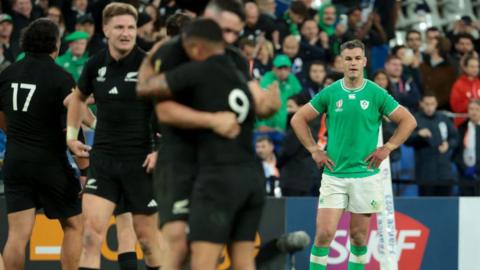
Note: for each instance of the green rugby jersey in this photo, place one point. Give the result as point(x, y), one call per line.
point(353, 120)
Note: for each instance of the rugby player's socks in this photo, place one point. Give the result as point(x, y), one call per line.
point(152, 267)
point(127, 261)
point(358, 257)
point(318, 258)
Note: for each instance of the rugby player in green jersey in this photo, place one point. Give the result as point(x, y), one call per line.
point(351, 182)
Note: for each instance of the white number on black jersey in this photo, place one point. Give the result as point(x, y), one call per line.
point(27, 86)
point(238, 102)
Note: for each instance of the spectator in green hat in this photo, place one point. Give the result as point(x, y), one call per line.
point(289, 86)
point(75, 57)
point(6, 29)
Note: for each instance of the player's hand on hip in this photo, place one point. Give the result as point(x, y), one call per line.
point(226, 124)
point(321, 158)
point(375, 159)
point(150, 162)
point(78, 148)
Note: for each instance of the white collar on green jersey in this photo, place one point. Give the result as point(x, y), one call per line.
point(352, 90)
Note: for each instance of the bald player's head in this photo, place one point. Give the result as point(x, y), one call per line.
point(291, 46)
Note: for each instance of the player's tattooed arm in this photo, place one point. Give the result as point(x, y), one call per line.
point(155, 86)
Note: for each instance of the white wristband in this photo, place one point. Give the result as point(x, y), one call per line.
point(72, 133)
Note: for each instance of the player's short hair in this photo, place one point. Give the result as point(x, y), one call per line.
point(176, 22)
point(204, 29)
point(41, 36)
point(233, 6)
point(352, 44)
point(263, 138)
point(117, 9)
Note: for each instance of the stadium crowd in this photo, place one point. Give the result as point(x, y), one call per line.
point(430, 72)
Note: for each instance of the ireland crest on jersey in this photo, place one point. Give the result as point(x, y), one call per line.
point(364, 104)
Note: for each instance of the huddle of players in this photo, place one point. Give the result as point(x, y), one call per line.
point(207, 179)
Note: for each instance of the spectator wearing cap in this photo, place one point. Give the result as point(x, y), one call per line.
point(289, 86)
point(86, 24)
point(145, 34)
point(76, 56)
point(6, 28)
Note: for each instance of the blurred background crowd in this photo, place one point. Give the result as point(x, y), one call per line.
point(423, 52)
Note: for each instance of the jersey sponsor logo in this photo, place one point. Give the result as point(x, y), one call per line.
point(412, 237)
point(338, 105)
point(352, 96)
point(181, 207)
point(364, 104)
point(91, 184)
point(113, 91)
point(152, 203)
point(101, 74)
point(131, 77)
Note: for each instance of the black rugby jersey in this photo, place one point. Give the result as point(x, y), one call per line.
point(216, 85)
point(32, 93)
point(124, 120)
point(180, 144)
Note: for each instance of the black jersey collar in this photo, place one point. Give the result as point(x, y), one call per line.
point(127, 59)
point(44, 56)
